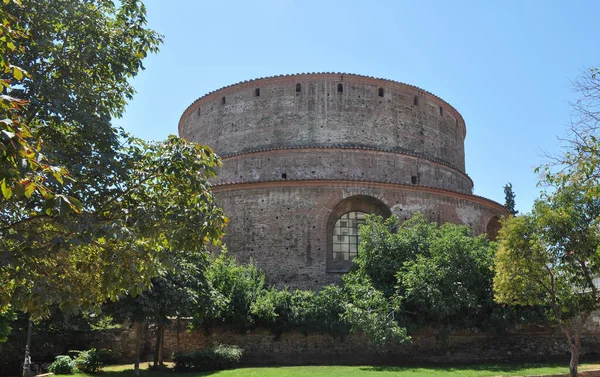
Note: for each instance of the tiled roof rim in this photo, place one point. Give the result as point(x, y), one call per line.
point(318, 73)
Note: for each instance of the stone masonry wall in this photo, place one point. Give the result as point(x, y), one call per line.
point(341, 164)
point(405, 119)
point(282, 226)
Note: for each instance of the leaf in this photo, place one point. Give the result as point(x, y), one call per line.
point(17, 73)
point(6, 191)
point(76, 203)
point(29, 189)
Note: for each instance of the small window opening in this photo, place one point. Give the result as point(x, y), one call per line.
point(380, 92)
point(283, 176)
point(414, 179)
point(222, 100)
point(199, 112)
point(257, 92)
point(441, 111)
point(340, 88)
point(416, 101)
point(298, 88)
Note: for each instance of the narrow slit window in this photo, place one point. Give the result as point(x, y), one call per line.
point(414, 179)
point(298, 88)
point(222, 100)
point(340, 88)
point(257, 92)
point(416, 101)
point(441, 111)
point(380, 92)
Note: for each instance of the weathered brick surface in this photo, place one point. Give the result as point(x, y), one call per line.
point(292, 158)
point(263, 348)
point(321, 116)
point(282, 226)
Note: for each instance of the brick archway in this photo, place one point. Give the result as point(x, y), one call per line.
point(492, 228)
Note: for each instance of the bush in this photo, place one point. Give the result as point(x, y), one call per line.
point(217, 358)
point(63, 364)
point(90, 361)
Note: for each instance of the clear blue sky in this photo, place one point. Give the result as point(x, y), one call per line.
point(505, 66)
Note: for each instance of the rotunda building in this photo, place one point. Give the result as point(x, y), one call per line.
point(306, 156)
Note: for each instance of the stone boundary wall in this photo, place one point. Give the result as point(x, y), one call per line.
point(262, 347)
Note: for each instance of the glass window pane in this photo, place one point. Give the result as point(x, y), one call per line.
point(346, 235)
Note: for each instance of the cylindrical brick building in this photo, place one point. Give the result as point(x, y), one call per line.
point(306, 156)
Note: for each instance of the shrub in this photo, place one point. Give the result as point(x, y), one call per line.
point(90, 361)
point(63, 364)
point(219, 357)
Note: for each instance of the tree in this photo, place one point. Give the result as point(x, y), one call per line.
point(509, 199)
point(549, 258)
point(71, 61)
point(163, 205)
point(103, 222)
point(177, 291)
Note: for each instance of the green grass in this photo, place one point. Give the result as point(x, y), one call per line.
point(482, 370)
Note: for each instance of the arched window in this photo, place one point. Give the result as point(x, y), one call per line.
point(342, 229)
point(345, 235)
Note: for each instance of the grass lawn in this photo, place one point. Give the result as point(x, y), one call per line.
point(356, 371)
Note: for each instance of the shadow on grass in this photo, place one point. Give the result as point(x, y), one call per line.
point(148, 373)
point(496, 368)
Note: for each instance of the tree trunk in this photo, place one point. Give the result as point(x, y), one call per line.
point(574, 361)
point(157, 353)
point(27, 360)
point(162, 345)
point(138, 341)
point(178, 324)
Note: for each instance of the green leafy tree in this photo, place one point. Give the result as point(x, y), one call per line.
point(65, 67)
point(164, 206)
point(436, 276)
point(74, 239)
point(549, 258)
point(176, 292)
point(509, 199)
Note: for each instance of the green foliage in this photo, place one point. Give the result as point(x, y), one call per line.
point(160, 205)
point(438, 275)
point(368, 311)
point(304, 311)
point(63, 364)
point(90, 361)
point(549, 257)
point(73, 242)
point(236, 287)
point(509, 199)
point(218, 357)
point(6, 320)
